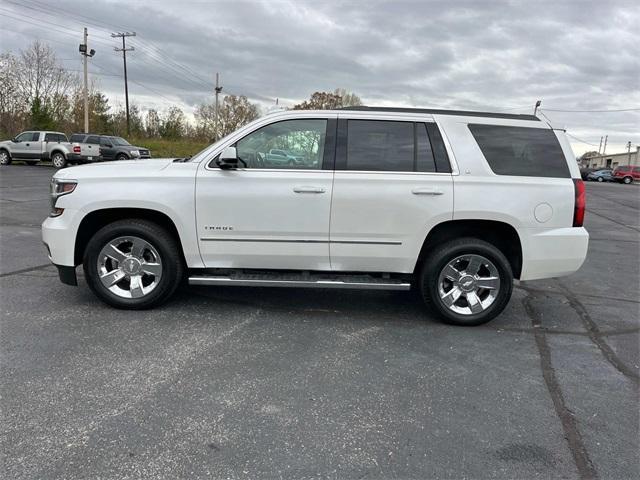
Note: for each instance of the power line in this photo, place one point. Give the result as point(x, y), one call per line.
point(580, 140)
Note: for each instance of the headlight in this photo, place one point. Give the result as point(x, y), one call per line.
point(57, 189)
point(135, 153)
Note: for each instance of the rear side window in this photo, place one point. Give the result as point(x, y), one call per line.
point(76, 137)
point(94, 139)
point(521, 151)
point(391, 146)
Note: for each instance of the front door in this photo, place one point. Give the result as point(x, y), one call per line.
point(392, 184)
point(28, 146)
point(267, 213)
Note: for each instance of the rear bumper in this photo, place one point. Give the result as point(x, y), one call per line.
point(553, 253)
point(76, 158)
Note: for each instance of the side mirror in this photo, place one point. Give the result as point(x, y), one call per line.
point(14, 139)
point(228, 159)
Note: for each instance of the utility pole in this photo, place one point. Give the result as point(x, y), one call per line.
point(600, 146)
point(629, 152)
point(124, 51)
point(535, 109)
point(605, 145)
point(86, 53)
point(218, 89)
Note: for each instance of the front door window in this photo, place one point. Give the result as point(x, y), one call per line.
point(290, 144)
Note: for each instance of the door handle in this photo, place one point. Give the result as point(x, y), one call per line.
point(427, 191)
point(26, 145)
point(305, 189)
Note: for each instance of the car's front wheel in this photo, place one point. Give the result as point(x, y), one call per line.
point(600, 179)
point(122, 156)
point(627, 180)
point(5, 158)
point(133, 264)
point(466, 281)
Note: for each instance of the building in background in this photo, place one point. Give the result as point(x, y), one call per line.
point(612, 160)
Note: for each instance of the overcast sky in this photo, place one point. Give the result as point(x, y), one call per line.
point(476, 55)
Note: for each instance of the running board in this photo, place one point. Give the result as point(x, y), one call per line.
point(364, 282)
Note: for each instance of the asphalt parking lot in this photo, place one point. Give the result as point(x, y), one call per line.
point(278, 383)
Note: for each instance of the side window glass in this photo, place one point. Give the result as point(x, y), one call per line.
point(93, 139)
point(76, 138)
point(425, 161)
point(379, 145)
point(50, 137)
point(62, 138)
point(23, 137)
point(293, 144)
point(35, 136)
point(439, 150)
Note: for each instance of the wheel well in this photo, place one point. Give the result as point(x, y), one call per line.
point(121, 154)
point(500, 234)
point(3, 149)
point(53, 152)
point(97, 219)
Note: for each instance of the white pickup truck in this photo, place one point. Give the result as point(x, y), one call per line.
point(456, 204)
point(34, 146)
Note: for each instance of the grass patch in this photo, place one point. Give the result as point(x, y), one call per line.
point(165, 148)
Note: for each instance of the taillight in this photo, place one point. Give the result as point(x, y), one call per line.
point(580, 202)
point(76, 149)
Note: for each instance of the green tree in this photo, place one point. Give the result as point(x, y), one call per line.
point(41, 118)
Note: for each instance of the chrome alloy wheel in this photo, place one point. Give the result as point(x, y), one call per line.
point(4, 158)
point(469, 284)
point(129, 267)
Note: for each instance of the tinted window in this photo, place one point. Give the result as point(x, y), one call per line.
point(439, 150)
point(35, 136)
point(424, 156)
point(77, 137)
point(295, 144)
point(51, 137)
point(377, 145)
point(93, 139)
point(528, 152)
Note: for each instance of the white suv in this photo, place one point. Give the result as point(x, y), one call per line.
point(457, 204)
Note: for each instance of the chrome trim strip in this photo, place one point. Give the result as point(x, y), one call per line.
point(277, 240)
point(211, 280)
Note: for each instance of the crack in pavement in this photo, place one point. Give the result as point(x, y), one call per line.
point(25, 270)
point(586, 469)
point(595, 335)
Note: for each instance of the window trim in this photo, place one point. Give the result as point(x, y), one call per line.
point(328, 159)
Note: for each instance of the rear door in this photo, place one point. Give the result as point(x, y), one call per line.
point(268, 214)
point(392, 185)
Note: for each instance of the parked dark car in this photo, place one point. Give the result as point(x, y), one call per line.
point(604, 175)
point(584, 172)
point(111, 147)
point(626, 174)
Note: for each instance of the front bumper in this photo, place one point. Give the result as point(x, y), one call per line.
point(67, 275)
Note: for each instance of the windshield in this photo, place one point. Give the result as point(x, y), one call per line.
point(119, 141)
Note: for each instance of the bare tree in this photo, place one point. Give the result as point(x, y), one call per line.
point(40, 77)
point(13, 111)
point(329, 101)
point(234, 112)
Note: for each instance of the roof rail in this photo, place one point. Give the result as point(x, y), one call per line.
point(432, 111)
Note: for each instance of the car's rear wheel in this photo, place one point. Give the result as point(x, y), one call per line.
point(600, 179)
point(627, 180)
point(58, 160)
point(466, 281)
point(5, 158)
point(133, 264)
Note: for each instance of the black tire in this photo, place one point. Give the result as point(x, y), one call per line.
point(5, 157)
point(627, 180)
point(122, 156)
point(59, 160)
point(600, 179)
point(447, 252)
point(165, 244)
